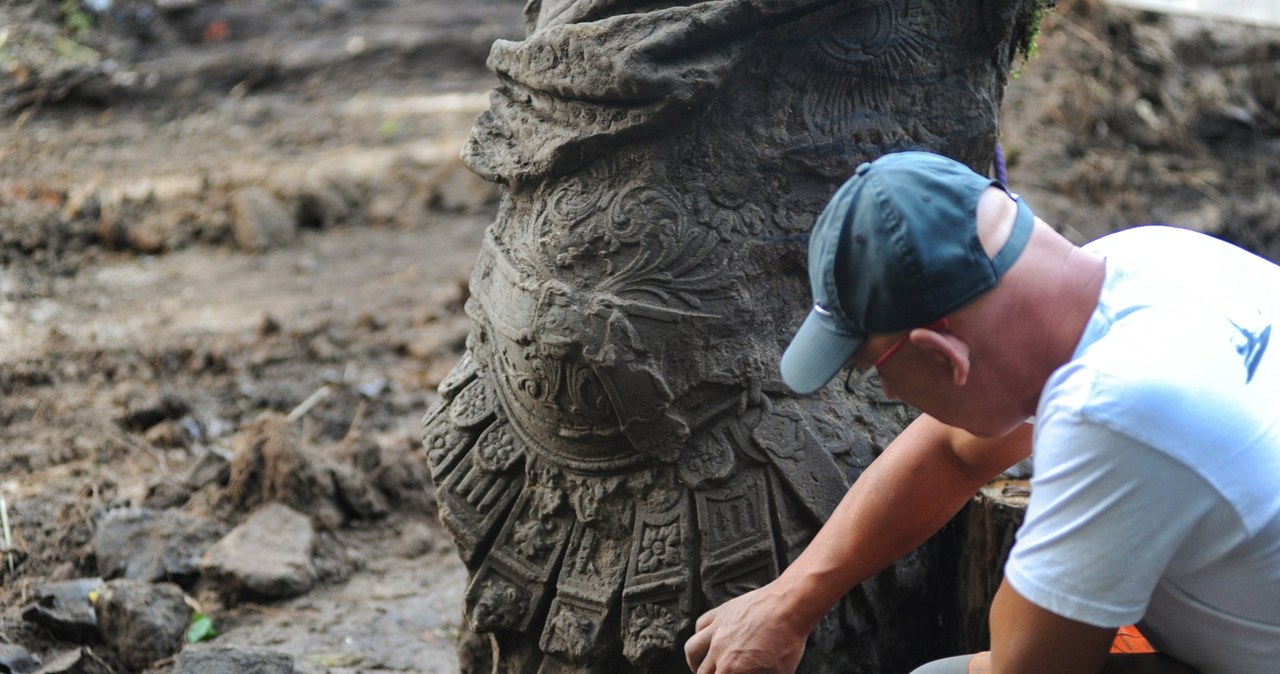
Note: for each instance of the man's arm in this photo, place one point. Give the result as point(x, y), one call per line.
point(919, 483)
point(1027, 638)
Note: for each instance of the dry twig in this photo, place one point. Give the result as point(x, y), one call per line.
point(8, 538)
point(311, 401)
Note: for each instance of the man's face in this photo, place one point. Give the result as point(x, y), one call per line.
point(912, 371)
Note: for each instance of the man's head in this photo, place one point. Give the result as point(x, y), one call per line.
point(896, 248)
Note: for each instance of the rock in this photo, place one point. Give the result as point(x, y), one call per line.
point(15, 659)
point(268, 556)
point(65, 610)
point(80, 661)
point(152, 234)
point(259, 221)
point(166, 493)
point(209, 659)
point(152, 545)
point(143, 622)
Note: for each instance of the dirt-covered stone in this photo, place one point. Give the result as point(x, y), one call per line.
point(261, 222)
point(66, 610)
point(142, 622)
point(152, 545)
point(268, 556)
point(212, 659)
point(78, 661)
point(15, 659)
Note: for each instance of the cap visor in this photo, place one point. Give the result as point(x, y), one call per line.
point(816, 353)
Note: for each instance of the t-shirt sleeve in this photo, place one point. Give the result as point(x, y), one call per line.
point(1106, 516)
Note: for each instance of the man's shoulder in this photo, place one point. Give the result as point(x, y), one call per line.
point(1144, 237)
point(1195, 255)
point(1193, 395)
point(1155, 367)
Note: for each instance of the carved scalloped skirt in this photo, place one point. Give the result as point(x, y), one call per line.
point(616, 453)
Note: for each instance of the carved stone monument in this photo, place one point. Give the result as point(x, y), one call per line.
point(616, 452)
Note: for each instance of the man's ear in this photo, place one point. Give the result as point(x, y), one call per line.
point(952, 349)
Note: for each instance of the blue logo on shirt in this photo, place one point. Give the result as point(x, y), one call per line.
point(1254, 345)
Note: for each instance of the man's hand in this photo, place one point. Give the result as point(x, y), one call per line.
point(752, 634)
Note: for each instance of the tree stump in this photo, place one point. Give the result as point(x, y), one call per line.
point(978, 542)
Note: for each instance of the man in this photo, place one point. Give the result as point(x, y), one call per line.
point(1138, 368)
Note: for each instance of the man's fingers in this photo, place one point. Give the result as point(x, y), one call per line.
point(705, 619)
point(695, 649)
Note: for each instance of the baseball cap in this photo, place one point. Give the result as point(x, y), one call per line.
point(896, 248)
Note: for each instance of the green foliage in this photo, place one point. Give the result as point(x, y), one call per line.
point(388, 129)
point(74, 51)
point(75, 20)
point(1028, 27)
point(201, 628)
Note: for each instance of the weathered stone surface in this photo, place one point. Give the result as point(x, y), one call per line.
point(616, 453)
point(15, 659)
point(259, 221)
point(65, 610)
point(152, 545)
point(80, 661)
point(142, 622)
point(165, 493)
point(211, 659)
point(269, 555)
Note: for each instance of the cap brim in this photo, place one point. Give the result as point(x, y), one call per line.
point(816, 353)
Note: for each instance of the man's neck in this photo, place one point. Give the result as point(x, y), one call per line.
point(1069, 300)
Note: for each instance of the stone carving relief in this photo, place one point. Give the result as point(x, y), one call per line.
point(616, 453)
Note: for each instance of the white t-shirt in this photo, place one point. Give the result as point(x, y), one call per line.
point(1156, 494)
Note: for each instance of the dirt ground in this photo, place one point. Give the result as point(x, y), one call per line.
point(215, 209)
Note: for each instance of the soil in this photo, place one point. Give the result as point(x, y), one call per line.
point(212, 210)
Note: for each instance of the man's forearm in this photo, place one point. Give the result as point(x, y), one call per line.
point(905, 496)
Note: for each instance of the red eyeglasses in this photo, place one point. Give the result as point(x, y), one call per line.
point(939, 324)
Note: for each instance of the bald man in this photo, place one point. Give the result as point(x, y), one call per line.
point(1136, 370)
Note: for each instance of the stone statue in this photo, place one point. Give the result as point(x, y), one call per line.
point(616, 452)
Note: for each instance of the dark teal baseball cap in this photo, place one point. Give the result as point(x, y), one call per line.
point(896, 248)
